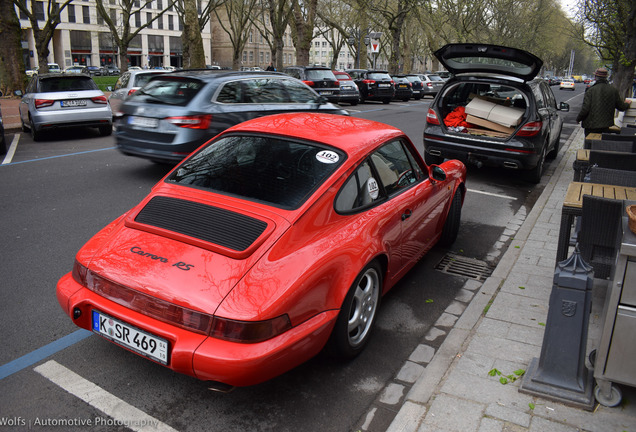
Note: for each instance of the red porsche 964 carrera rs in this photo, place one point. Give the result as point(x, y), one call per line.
point(273, 240)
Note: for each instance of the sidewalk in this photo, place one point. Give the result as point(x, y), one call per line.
point(454, 391)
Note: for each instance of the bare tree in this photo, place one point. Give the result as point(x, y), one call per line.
point(11, 63)
point(304, 17)
point(236, 23)
point(121, 29)
point(34, 10)
point(272, 22)
point(610, 27)
point(196, 15)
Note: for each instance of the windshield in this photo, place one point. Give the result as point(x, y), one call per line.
point(279, 172)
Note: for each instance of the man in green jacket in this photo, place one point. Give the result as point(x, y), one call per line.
point(599, 103)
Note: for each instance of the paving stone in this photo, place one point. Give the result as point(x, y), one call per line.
point(508, 414)
point(452, 414)
point(456, 308)
point(422, 354)
point(410, 372)
point(446, 320)
point(392, 394)
point(539, 424)
point(490, 425)
point(434, 333)
point(464, 296)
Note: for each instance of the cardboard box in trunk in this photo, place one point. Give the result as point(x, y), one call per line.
point(502, 115)
point(489, 124)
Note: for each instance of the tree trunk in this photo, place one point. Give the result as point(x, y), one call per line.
point(193, 53)
point(12, 75)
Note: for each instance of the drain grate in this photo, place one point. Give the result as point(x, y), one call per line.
point(464, 266)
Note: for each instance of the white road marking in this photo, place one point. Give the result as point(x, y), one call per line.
point(492, 194)
point(14, 145)
point(122, 413)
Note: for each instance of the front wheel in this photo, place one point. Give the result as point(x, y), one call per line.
point(357, 315)
point(451, 226)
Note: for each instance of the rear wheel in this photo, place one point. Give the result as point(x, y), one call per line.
point(357, 315)
point(534, 174)
point(36, 135)
point(386, 101)
point(105, 130)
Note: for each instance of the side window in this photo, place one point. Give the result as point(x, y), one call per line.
point(230, 93)
point(263, 91)
point(395, 167)
point(360, 191)
point(293, 72)
point(538, 94)
point(549, 96)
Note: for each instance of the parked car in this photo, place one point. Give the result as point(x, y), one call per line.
point(589, 84)
point(403, 88)
point(175, 113)
point(567, 84)
point(431, 84)
point(132, 68)
point(111, 70)
point(76, 70)
point(128, 83)
point(373, 84)
point(53, 101)
point(272, 241)
point(416, 85)
point(348, 89)
point(321, 79)
point(94, 70)
point(529, 127)
point(53, 68)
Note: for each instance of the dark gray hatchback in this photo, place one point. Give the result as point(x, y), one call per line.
point(175, 113)
point(493, 112)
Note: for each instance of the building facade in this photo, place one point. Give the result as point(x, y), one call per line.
point(83, 38)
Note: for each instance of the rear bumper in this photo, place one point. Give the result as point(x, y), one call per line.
point(203, 357)
point(469, 151)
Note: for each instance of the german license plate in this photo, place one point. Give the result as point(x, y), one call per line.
point(402, 85)
point(144, 122)
point(384, 85)
point(346, 88)
point(73, 103)
point(131, 337)
point(325, 92)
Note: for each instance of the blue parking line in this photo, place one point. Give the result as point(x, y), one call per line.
point(41, 353)
point(58, 156)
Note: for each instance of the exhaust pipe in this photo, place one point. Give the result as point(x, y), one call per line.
point(220, 387)
point(512, 165)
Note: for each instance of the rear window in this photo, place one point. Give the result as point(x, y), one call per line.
point(461, 94)
point(342, 75)
point(435, 78)
point(142, 79)
point(70, 83)
point(172, 91)
point(279, 172)
point(379, 76)
point(320, 74)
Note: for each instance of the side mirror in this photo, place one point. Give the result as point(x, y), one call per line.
point(437, 173)
point(109, 88)
point(564, 106)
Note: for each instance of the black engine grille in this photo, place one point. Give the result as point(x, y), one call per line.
point(212, 224)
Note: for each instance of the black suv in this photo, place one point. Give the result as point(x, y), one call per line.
point(321, 79)
point(492, 111)
point(373, 84)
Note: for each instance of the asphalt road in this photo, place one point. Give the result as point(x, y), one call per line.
point(57, 193)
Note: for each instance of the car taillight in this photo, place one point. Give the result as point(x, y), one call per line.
point(530, 129)
point(431, 117)
point(368, 81)
point(429, 84)
point(392, 82)
point(309, 83)
point(161, 310)
point(100, 99)
point(337, 84)
point(131, 91)
point(249, 331)
point(41, 103)
point(201, 121)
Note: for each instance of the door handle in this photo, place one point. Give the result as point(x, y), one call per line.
point(407, 214)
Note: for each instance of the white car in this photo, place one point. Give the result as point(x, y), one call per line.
point(128, 83)
point(567, 84)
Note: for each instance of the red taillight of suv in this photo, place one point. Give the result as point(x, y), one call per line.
point(309, 83)
point(41, 103)
point(368, 81)
point(192, 122)
point(431, 117)
point(530, 129)
point(131, 91)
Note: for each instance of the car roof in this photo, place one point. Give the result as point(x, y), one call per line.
point(462, 58)
point(220, 73)
point(353, 135)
